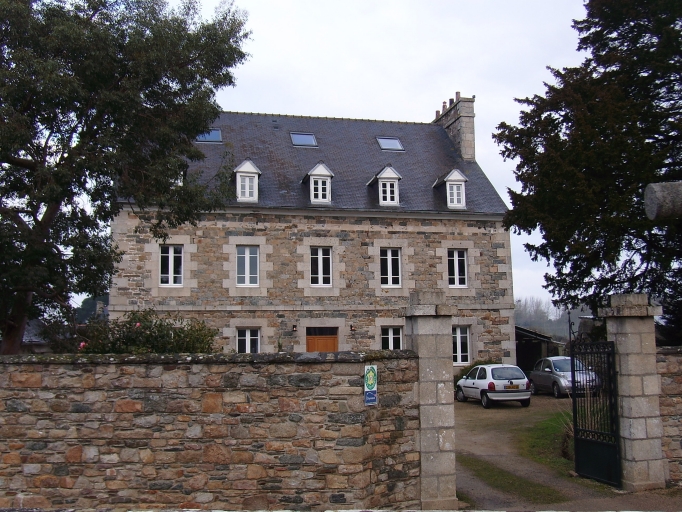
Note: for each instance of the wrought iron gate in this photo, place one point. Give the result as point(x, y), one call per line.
point(595, 410)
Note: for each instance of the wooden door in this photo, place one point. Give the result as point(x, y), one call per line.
point(322, 343)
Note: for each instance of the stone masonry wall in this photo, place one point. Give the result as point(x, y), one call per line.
point(284, 298)
point(261, 431)
point(669, 366)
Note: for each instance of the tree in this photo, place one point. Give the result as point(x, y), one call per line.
point(99, 100)
point(587, 149)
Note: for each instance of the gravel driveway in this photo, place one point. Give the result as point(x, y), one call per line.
point(489, 434)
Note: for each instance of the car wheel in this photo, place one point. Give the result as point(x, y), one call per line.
point(533, 389)
point(525, 403)
point(555, 390)
point(460, 395)
point(485, 401)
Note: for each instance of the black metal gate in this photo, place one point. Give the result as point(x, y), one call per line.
point(595, 410)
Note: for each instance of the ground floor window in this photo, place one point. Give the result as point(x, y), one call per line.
point(391, 338)
point(461, 348)
point(248, 341)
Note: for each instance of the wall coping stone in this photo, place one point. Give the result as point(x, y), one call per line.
point(263, 358)
point(669, 350)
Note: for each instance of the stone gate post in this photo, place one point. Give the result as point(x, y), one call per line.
point(428, 331)
point(630, 324)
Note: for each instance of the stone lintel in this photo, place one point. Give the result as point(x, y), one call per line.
point(421, 310)
point(630, 311)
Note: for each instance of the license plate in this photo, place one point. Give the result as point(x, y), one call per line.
point(511, 386)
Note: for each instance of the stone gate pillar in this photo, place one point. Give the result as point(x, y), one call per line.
point(630, 324)
point(428, 331)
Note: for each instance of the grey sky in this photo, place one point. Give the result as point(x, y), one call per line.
point(399, 60)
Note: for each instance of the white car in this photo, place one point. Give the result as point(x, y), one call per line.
point(494, 382)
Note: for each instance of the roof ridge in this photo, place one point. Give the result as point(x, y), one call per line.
point(325, 117)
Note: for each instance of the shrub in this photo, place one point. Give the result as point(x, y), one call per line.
point(145, 332)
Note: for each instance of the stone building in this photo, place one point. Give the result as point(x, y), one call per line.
point(333, 224)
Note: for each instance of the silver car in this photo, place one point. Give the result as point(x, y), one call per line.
point(553, 375)
point(494, 382)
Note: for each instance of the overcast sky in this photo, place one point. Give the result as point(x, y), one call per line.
point(398, 60)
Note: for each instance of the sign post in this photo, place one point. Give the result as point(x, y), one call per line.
point(371, 379)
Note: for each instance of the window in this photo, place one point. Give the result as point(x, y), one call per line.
point(213, 135)
point(171, 265)
point(247, 265)
point(390, 144)
point(248, 341)
point(457, 267)
point(389, 192)
point(390, 267)
point(247, 187)
point(455, 195)
point(391, 338)
point(319, 190)
point(460, 345)
point(303, 139)
point(320, 266)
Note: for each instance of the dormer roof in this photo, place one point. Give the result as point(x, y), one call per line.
point(388, 173)
point(247, 166)
point(453, 175)
point(320, 169)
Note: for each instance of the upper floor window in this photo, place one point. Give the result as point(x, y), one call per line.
point(213, 135)
point(388, 179)
point(247, 181)
point(171, 265)
point(391, 338)
point(247, 265)
point(390, 144)
point(457, 267)
point(455, 195)
point(455, 188)
point(248, 341)
point(303, 139)
point(461, 348)
point(390, 267)
point(389, 192)
point(320, 266)
point(320, 178)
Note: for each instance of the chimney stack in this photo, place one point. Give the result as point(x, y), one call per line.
point(458, 121)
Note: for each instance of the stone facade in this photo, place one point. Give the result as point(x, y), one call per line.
point(669, 366)
point(457, 117)
point(356, 304)
point(233, 432)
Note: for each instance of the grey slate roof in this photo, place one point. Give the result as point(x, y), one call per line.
point(348, 147)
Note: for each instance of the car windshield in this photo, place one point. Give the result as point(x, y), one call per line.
point(508, 373)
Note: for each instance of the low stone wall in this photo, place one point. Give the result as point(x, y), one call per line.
point(263, 431)
point(669, 366)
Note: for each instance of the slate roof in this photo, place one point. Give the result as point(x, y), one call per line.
point(348, 147)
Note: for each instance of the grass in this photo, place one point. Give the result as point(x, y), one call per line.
point(509, 483)
point(542, 442)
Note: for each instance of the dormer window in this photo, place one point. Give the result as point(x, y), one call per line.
point(213, 135)
point(388, 179)
point(455, 183)
point(320, 178)
point(247, 181)
point(303, 139)
point(390, 144)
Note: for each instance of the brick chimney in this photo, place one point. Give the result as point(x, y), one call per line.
point(457, 118)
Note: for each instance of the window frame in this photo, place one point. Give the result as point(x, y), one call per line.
point(251, 192)
point(388, 335)
point(209, 137)
point(292, 135)
point(387, 267)
point(317, 262)
point(457, 352)
point(324, 184)
point(453, 200)
point(173, 275)
point(396, 139)
point(457, 257)
point(247, 264)
point(248, 340)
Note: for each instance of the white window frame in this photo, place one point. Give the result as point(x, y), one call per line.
point(317, 259)
point(456, 198)
point(455, 272)
point(250, 275)
point(458, 333)
point(248, 336)
point(247, 187)
point(388, 192)
point(391, 256)
point(320, 189)
point(390, 335)
point(174, 263)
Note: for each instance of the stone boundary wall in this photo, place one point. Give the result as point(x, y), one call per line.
point(241, 431)
point(669, 367)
